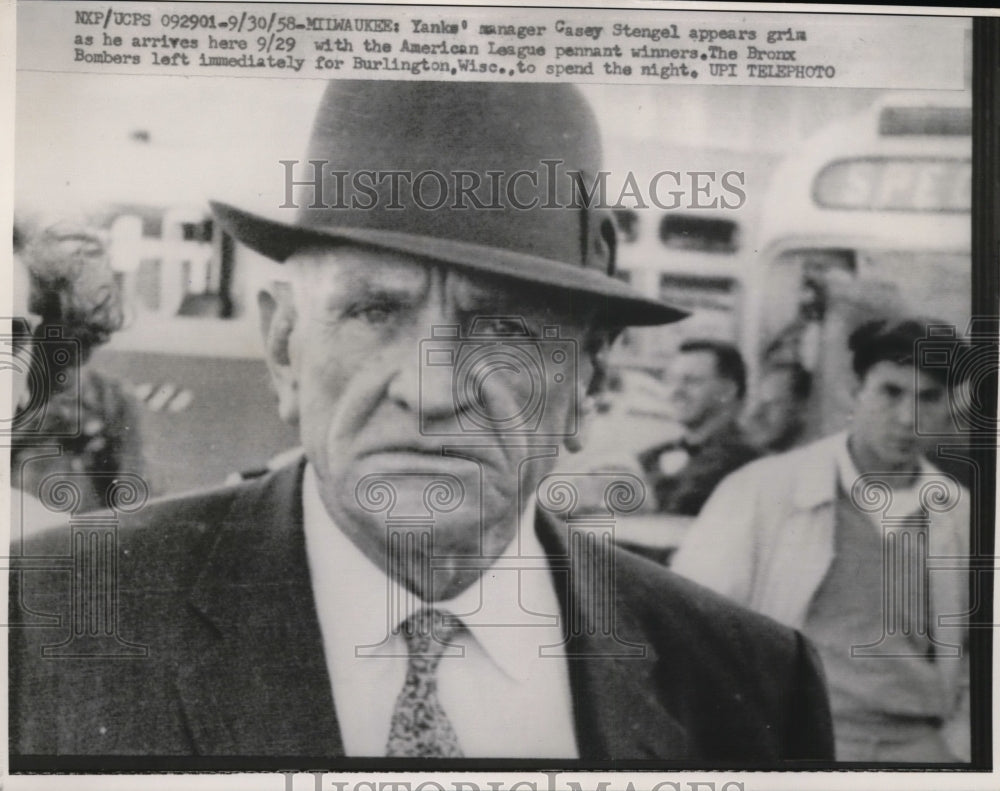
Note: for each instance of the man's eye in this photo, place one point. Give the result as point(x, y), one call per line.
point(499, 325)
point(502, 326)
point(374, 313)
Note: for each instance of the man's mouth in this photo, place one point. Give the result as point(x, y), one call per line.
point(419, 455)
point(417, 449)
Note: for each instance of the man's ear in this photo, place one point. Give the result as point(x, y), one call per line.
point(591, 388)
point(277, 321)
point(586, 409)
point(730, 393)
point(855, 387)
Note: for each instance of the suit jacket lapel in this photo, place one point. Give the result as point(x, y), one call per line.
point(622, 694)
point(259, 685)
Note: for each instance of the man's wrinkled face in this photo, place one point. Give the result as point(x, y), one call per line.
point(699, 393)
point(883, 428)
point(368, 405)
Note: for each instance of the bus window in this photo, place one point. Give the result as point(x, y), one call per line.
point(932, 121)
point(627, 221)
point(705, 234)
point(714, 303)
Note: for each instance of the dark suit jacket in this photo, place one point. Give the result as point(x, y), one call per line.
point(216, 586)
point(687, 490)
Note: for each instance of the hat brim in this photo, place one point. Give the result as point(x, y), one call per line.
point(617, 302)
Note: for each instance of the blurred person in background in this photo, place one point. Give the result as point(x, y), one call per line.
point(68, 298)
point(825, 274)
point(709, 384)
point(776, 419)
point(787, 536)
point(18, 364)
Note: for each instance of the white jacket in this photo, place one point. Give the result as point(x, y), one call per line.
point(766, 539)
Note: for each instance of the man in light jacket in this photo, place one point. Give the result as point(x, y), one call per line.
point(841, 539)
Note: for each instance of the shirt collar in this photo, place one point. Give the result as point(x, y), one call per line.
point(818, 471)
point(848, 472)
point(348, 575)
point(905, 499)
point(514, 596)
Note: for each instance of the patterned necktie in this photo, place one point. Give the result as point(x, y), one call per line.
point(420, 727)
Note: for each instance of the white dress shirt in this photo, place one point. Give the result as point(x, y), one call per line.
point(504, 697)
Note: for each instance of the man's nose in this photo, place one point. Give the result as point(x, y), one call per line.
point(906, 410)
point(425, 367)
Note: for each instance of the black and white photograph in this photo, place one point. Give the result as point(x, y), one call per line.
point(595, 395)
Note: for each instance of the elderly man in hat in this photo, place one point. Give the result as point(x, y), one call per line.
point(416, 586)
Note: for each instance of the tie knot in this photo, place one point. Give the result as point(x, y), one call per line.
point(428, 631)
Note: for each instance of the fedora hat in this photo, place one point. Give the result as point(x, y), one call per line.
point(485, 176)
